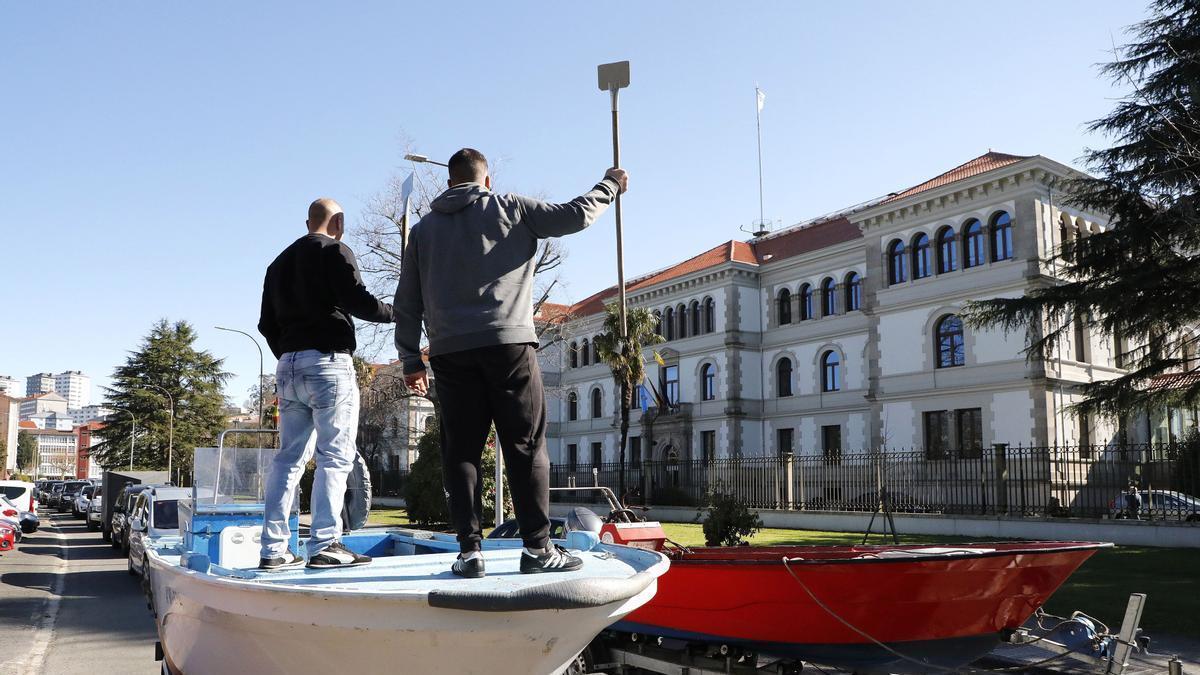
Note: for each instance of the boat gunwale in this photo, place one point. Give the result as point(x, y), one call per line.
point(680, 557)
point(640, 580)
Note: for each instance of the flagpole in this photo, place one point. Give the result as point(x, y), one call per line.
point(758, 99)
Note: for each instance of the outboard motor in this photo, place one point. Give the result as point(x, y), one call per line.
point(580, 518)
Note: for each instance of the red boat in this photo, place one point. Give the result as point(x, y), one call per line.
point(887, 608)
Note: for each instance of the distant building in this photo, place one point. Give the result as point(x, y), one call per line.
point(42, 383)
point(390, 422)
point(74, 386)
point(11, 386)
point(55, 453)
point(89, 413)
point(10, 415)
point(41, 403)
point(85, 439)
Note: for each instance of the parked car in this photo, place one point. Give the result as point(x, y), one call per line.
point(95, 509)
point(8, 537)
point(70, 489)
point(10, 515)
point(155, 515)
point(80, 503)
point(21, 494)
point(30, 522)
point(1158, 505)
point(120, 516)
point(45, 491)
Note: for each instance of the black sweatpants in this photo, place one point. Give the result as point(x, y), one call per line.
point(479, 387)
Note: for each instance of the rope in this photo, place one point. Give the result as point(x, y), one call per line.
point(910, 659)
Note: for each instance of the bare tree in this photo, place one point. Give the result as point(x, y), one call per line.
point(379, 237)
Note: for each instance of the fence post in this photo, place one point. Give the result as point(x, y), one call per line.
point(646, 482)
point(789, 501)
point(1000, 451)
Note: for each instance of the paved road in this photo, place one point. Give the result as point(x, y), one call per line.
point(67, 605)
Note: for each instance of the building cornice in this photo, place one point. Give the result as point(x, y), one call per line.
point(1035, 172)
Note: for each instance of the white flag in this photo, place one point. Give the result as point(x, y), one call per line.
point(762, 97)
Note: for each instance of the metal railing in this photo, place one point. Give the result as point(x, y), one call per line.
point(1036, 482)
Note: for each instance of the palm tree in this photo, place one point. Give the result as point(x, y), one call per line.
point(624, 359)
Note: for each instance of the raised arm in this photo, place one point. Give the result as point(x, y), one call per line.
point(348, 287)
point(557, 220)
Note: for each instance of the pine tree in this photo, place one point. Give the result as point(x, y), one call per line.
point(624, 359)
point(167, 358)
point(1138, 282)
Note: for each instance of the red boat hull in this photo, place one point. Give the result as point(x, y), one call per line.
point(944, 608)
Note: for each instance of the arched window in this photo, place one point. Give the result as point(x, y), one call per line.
point(920, 256)
point(681, 317)
point(783, 309)
point(783, 377)
point(828, 297)
point(708, 382)
point(895, 254)
point(574, 354)
point(1002, 244)
point(831, 371)
point(947, 257)
point(806, 306)
point(585, 353)
point(694, 315)
point(572, 407)
point(658, 323)
point(948, 340)
point(669, 322)
point(710, 315)
point(597, 403)
point(853, 292)
point(972, 244)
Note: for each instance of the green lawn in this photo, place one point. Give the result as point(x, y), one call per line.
point(1170, 577)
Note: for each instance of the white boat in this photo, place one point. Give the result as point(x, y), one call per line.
point(403, 613)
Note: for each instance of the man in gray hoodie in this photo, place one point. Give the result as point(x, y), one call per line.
point(468, 273)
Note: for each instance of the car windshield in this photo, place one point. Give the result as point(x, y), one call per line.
point(166, 515)
point(12, 491)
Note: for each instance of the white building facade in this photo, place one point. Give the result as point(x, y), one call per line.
point(41, 383)
point(74, 386)
point(11, 387)
point(89, 413)
point(845, 335)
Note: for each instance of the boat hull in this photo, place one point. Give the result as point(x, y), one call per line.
point(213, 626)
point(945, 610)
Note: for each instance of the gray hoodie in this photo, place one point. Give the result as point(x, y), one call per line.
point(468, 268)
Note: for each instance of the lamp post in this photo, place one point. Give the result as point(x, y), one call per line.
point(171, 425)
point(422, 159)
point(260, 369)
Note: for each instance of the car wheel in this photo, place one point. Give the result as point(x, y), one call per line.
point(91, 526)
point(129, 566)
point(115, 542)
point(105, 534)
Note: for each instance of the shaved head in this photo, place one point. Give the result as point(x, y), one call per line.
point(321, 212)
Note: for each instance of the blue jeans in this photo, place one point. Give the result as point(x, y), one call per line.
point(318, 400)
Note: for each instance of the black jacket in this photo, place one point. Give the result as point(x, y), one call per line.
point(310, 292)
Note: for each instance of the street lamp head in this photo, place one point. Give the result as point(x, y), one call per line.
point(416, 158)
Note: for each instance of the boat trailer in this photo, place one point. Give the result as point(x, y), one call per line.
point(1084, 640)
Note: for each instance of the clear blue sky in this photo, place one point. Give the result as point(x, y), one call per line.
point(158, 155)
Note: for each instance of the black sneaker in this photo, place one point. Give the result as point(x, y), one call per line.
point(337, 555)
point(286, 561)
point(468, 569)
point(553, 559)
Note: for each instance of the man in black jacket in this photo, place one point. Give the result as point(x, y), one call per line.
point(310, 292)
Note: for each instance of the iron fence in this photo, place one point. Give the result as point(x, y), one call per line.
point(1061, 481)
